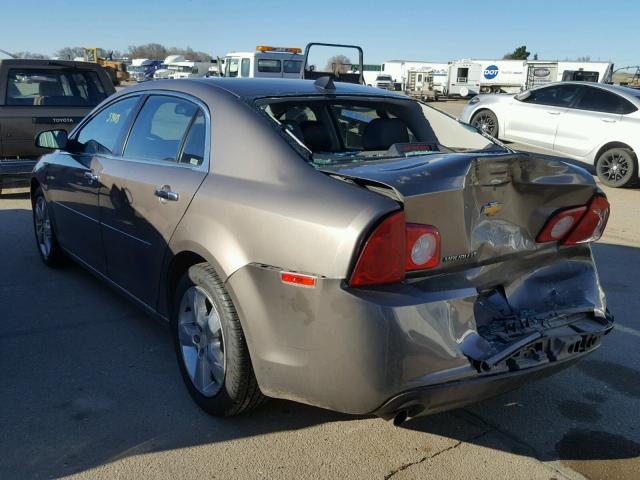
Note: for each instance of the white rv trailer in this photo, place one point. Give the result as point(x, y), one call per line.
point(398, 69)
point(539, 72)
point(163, 72)
point(269, 62)
point(188, 69)
point(464, 79)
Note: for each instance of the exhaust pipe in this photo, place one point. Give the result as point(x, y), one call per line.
point(400, 418)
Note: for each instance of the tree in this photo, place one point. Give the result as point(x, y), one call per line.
point(69, 53)
point(535, 56)
point(585, 58)
point(519, 53)
point(27, 54)
point(338, 64)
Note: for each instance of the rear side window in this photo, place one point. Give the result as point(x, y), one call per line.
point(102, 134)
point(158, 131)
point(269, 66)
point(231, 67)
point(193, 150)
point(54, 88)
point(598, 100)
point(556, 96)
point(292, 66)
point(245, 67)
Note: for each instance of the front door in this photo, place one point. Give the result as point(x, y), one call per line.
point(145, 192)
point(535, 119)
point(73, 183)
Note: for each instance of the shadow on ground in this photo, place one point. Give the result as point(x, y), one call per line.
point(88, 379)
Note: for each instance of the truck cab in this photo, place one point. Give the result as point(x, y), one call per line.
point(142, 69)
point(38, 95)
point(265, 62)
point(188, 69)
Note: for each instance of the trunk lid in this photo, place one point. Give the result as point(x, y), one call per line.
point(487, 207)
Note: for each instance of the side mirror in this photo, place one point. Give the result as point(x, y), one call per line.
point(52, 139)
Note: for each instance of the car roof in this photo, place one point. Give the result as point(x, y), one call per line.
point(32, 62)
point(248, 88)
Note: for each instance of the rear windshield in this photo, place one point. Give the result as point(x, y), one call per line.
point(55, 88)
point(352, 129)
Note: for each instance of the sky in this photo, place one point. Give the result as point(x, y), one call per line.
point(406, 29)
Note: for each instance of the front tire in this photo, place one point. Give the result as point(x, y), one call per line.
point(617, 167)
point(48, 247)
point(211, 347)
point(486, 121)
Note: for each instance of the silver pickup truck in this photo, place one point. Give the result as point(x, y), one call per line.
point(37, 95)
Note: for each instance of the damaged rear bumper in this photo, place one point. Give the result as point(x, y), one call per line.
point(548, 353)
point(428, 343)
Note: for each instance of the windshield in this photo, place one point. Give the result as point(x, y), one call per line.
point(384, 78)
point(180, 68)
point(139, 69)
point(356, 130)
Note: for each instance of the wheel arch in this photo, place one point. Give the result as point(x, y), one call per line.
point(610, 145)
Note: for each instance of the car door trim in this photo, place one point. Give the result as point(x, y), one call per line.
point(76, 211)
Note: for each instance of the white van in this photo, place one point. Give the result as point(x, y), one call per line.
point(265, 62)
point(163, 72)
point(188, 69)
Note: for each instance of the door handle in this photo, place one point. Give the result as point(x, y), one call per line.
point(92, 177)
point(165, 193)
point(609, 120)
point(550, 112)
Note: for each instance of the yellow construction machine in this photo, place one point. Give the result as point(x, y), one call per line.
point(116, 70)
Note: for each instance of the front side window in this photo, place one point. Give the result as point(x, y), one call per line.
point(158, 131)
point(56, 88)
point(245, 68)
point(269, 66)
point(292, 66)
point(103, 133)
point(555, 96)
point(598, 100)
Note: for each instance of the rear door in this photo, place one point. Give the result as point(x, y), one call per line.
point(43, 98)
point(535, 119)
point(145, 193)
point(594, 118)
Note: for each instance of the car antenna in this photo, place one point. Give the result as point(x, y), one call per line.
point(326, 83)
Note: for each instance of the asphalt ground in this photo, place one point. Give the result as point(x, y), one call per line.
point(91, 389)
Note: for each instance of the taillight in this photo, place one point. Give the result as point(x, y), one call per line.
point(560, 224)
point(423, 247)
point(577, 225)
point(593, 223)
point(393, 248)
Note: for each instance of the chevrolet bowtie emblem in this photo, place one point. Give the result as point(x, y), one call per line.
point(492, 208)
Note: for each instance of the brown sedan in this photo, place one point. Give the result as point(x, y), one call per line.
point(336, 245)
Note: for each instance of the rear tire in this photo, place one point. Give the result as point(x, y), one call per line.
point(617, 167)
point(48, 247)
point(486, 121)
point(211, 347)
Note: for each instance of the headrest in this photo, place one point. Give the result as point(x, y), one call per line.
point(381, 133)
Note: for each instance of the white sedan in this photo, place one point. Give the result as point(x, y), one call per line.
point(594, 123)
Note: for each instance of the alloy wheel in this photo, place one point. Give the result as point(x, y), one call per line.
point(43, 226)
point(201, 341)
point(614, 167)
point(486, 123)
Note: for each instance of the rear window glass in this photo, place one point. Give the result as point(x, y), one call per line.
point(268, 66)
point(54, 88)
point(336, 130)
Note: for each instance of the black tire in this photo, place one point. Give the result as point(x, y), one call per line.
point(238, 392)
point(49, 249)
point(617, 167)
point(486, 121)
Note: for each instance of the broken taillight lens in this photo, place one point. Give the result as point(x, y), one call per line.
point(393, 248)
point(592, 224)
point(577, 225)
